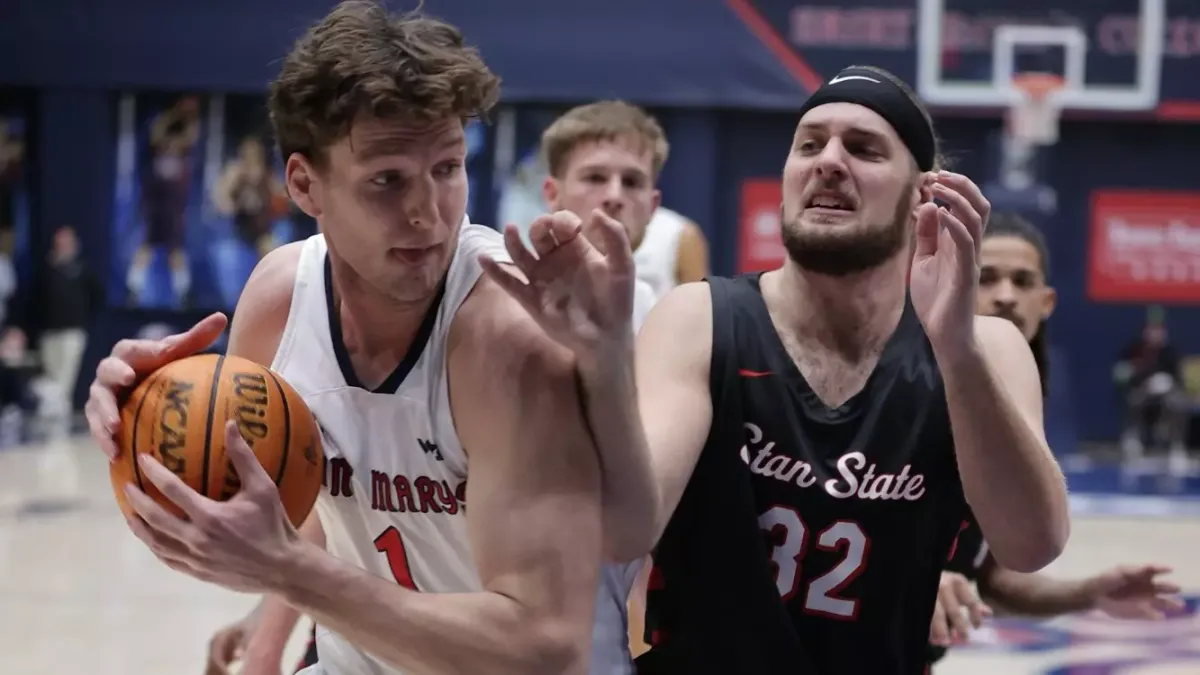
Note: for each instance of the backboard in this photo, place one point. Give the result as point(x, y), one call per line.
point(1036, 59)
point(1107, 52)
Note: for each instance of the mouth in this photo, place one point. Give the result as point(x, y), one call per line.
point(832, 202)
point(411, 255)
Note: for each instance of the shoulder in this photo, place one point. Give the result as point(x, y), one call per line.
point(266, 300)
point(680, 327)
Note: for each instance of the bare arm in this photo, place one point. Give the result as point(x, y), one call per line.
point(1010, 478)
point(691, 261)
point(276, 620)
point(533, 518)
point(1035, 595)
point(650, 413)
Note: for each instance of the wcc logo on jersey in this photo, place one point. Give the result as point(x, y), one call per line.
point(431, 449)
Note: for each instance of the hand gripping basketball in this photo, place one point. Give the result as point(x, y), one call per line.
point(240, 543)
point(579, 291)
point(129, 362)
point(945, 267)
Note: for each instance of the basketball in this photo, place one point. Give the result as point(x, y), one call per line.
point(178, 416)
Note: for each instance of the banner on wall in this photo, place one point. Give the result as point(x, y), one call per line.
point(760, 246)
point(1145, 246)
point(199, 200)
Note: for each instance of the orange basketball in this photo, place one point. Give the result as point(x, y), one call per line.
point(178, 415)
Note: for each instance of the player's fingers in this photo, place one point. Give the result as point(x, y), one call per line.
point(520, 255)
point(956, 616)
point(1166, 588)
point(224, 649)
point(970, 191)
point(958, 233)
point(939, 629)
point(524, 293)
point(545, 237)
point(616, 242)
point(115, 373)
point(962, 210)
point(201, 335)
point(969, 599)
point(1169, 605)
point(173, 488)
point(103, 419)
point(254, 478)
point(926, 230)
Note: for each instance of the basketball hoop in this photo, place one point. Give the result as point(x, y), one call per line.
point(1033, 118)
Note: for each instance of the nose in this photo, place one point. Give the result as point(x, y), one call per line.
point(1004, 294)
point(420, 204)
point(831, 163)
point(614, 192)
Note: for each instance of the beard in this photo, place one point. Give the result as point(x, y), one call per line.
point(832, 253)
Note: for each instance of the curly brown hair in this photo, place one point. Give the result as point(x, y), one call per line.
point(602, 121)
point(362, 61)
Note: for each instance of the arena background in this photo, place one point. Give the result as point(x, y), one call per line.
point(82, 80)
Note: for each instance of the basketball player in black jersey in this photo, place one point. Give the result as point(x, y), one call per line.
point(1015, 266)
point(802, 440)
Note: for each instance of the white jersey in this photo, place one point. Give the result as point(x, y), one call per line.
point(657, 257)
point(395, 472)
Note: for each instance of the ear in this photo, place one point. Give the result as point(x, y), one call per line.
point(656, 200)
point(924, 187)
point(550, 192)
point(302, 182)
point(1049, 301)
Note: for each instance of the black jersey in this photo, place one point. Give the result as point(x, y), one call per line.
point(809, 540)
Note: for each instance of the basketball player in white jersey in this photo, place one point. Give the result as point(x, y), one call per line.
point(411, 364)
point(607, 156)
point(671, 251)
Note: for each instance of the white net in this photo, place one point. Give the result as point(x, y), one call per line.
point(1031, 123)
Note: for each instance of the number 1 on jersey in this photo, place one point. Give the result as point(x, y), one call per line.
point(790, 547)
point(391, 545)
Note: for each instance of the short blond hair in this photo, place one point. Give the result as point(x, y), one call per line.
point(602, 121)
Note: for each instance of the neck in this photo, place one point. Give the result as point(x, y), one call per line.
point(374, 325)
point(852, 315)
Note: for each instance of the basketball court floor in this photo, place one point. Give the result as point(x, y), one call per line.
point(79, 594)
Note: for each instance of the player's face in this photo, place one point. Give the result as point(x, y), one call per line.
point(1012, 285)
point(614, 176)
point(389, 200)
point(252, 152)
point(849, 189)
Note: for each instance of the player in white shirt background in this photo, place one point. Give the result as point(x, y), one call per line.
point(607, 156)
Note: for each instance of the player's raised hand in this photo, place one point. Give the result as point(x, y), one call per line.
point(945, 267)
point(129, 362)
point(579, 292)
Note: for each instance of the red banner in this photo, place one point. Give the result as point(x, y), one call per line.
point(759, 244)
point(1145, 246)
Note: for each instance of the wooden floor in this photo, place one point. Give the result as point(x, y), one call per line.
point(80, 595)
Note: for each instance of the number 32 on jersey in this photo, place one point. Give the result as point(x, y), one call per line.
point(790, 538)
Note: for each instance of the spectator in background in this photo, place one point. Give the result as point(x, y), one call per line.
point(68, 298)
point(1148, 377)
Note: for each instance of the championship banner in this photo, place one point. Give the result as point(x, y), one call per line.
point(1145, 246)
point(760, 246)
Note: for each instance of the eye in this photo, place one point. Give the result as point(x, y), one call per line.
point(447, 169)
point(385, 179)
point(808, 147)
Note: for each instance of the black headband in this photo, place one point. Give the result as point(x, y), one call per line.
point(872, 90)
